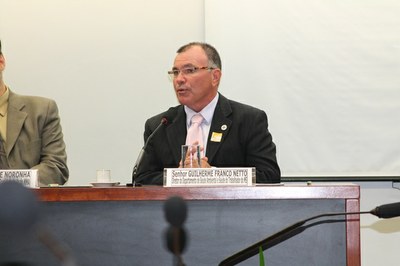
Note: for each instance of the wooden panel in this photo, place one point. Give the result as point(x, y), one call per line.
point(348, 192)
point(353, 233)
point(203, 193)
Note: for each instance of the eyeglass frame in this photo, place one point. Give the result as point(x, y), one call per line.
point(173, 74)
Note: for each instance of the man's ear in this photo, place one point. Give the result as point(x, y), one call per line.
point(216, 75)
point(2, 62)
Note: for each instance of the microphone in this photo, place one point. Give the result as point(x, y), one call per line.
point(18, 207)
point(384, 211)
point(19, 213)
point(175, 212)
point(164, 121)
point(387, 211)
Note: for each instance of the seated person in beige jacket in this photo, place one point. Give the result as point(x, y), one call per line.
point(31, 135)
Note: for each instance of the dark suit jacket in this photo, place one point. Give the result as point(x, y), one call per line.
point(35, 139)
point(246, 142)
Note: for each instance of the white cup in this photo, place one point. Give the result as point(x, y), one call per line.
point(103, 176)
point(190, 156)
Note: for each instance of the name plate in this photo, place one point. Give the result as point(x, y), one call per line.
point(205, 177)
point(27, 177)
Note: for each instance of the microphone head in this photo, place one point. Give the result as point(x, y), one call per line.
point(169, 115)
point(164, 121)
point(18, 206)
point(387, 211)
point(175, 211)
point(175, 239)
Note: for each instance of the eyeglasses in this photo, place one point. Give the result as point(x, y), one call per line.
point(186, 71)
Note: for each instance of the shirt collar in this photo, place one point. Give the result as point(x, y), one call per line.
point(207, 112)
point(4, 102)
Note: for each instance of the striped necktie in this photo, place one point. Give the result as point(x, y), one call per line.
point(3, 155)
point(195, 132)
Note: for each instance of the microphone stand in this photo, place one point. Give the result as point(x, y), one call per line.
point(135, 168)
point(164, 121)
point(59, 249)
point(266, 243)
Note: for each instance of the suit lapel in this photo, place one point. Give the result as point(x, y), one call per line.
point(176, 133)
point(220, 126)
point(15, 121)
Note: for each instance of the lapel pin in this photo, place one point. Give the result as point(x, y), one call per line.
point(216, 137)
point(224, 127)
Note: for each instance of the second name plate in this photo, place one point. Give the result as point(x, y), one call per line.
point(205, 177)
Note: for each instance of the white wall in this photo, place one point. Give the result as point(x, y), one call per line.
point(326, 72)
point(380, 238)
point(105, 63)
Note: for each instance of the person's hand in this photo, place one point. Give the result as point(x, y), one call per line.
point(194, 163)
point(203, 161)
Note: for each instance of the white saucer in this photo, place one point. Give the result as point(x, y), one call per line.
point(104, 184)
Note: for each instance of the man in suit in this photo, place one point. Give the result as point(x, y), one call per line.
point(235, 134)
point(31, 135)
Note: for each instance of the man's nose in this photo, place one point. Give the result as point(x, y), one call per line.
point(180, 79)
